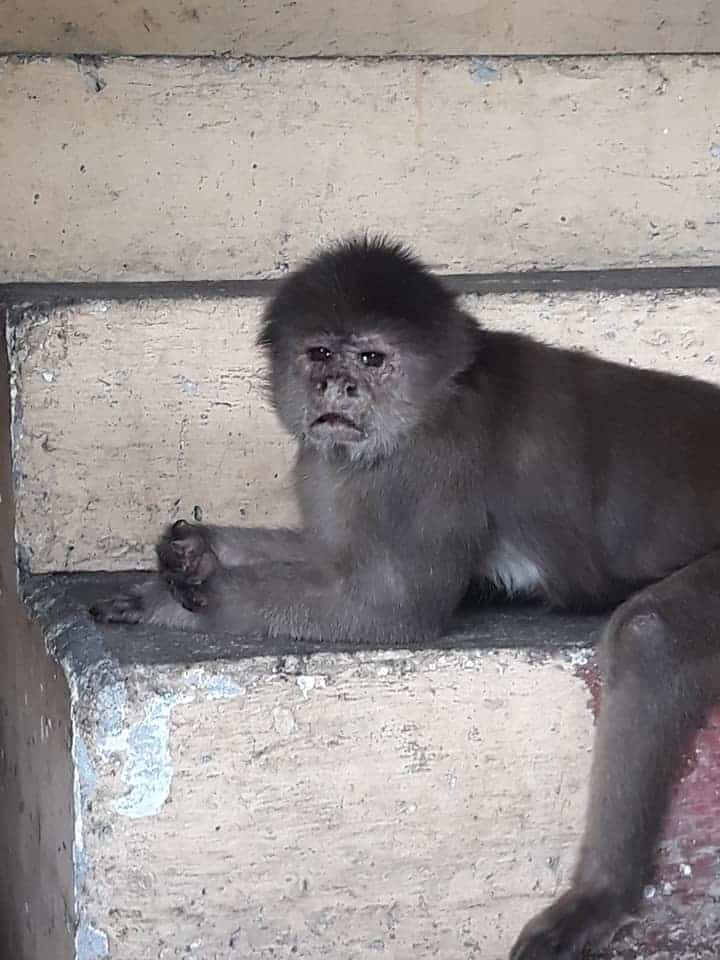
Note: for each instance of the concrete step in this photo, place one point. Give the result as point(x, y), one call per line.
point(129, 413)
point(219, 798)
point(375, 28)
point(214, 168)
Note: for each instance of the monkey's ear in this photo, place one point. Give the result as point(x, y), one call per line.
point(462, 342)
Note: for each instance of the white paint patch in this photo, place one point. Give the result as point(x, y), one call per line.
point(572, 659)
point(215, 686)
point(91, 943)
point(111, 709)
point(148, 769)
point(308, 683)
point(283, 721)
point(187, 386)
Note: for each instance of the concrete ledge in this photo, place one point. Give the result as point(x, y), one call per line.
point(131, 412)
point(235, 798)
point(19, 297)
point(379, 27)
point(167, 169)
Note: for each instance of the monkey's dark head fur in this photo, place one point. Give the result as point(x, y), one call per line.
point(364, 342)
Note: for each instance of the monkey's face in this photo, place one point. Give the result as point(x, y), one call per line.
point(360, 395)
point(364, 345)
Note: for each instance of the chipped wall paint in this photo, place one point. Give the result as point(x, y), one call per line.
point(483, 70)
point(91, 943)
point(147, 769)
point(368, 751)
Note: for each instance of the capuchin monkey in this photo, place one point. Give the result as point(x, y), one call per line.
point(435, 456)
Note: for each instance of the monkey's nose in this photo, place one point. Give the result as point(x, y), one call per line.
point(338, 386)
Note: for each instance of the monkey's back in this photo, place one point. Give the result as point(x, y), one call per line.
point(598, 475)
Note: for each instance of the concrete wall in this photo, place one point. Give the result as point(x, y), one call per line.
point(370, 805)
point(306, 27)
point(36, 782)
point(215, 169)
point(132, 414)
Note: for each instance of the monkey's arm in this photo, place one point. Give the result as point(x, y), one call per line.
point(237, 546)
point(391, 597)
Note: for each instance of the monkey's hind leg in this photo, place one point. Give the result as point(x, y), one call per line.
point(662, 672)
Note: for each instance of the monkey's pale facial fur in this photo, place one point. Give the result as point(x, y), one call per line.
point(350, 396)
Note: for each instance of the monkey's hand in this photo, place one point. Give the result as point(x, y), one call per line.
point(187, 562)
point(181, 591)
point(574, 923)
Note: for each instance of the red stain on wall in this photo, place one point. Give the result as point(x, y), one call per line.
point(687, 878)
point(690, 852)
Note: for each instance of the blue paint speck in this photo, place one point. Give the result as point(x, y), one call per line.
point(483, 70)
point(715, 151)
point(223, 688)
point(91, 944)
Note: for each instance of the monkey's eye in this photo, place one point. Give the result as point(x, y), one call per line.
point(318, 354)
point(372, 359)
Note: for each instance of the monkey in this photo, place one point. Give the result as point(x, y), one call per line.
point(435, 456)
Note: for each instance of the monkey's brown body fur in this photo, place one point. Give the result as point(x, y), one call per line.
point(434, 456)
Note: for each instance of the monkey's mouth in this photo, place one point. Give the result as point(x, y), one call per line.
point(337, 425)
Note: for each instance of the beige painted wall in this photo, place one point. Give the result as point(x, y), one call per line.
point(234, 168)
point(130, 415)
point(354, 27)
point(403, 805)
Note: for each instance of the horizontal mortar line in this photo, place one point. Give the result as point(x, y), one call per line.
point(96, 59)
point(622, 280)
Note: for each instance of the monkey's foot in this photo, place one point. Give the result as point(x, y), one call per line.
point(186, 562)
point(572, 925)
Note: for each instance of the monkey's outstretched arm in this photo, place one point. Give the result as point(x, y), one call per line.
point(385, 599)
point(237, 546)
point(662, 651)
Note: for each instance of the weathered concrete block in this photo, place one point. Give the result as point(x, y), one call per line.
point(241, 799)
point(377, 27)
point(217, 168)
point(131, 413)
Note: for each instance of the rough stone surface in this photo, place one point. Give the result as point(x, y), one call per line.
point(131, 414)
point(247, 798)
point(322, 801)
point(220, 168)
point(377, 27)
